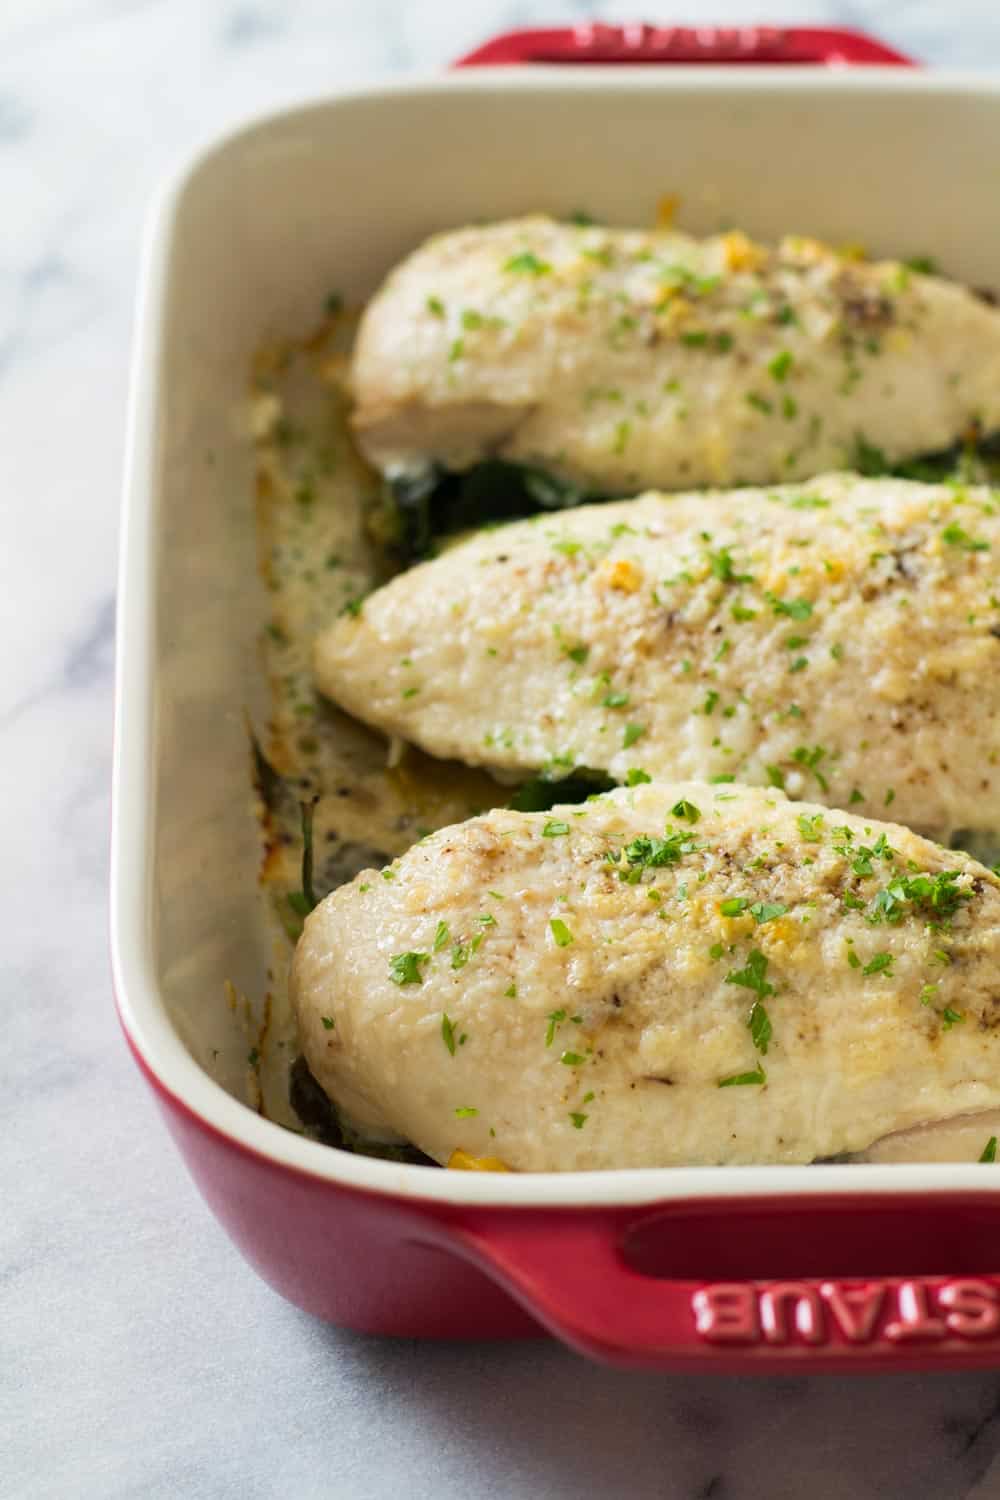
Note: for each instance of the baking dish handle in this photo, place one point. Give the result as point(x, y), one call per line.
point(644, 43)
point(574, 1272)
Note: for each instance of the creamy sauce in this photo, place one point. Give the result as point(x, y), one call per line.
point(374, 798)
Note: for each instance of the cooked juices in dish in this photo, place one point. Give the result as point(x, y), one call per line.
point(670, 974)
point(840, 639)
point(622, 360)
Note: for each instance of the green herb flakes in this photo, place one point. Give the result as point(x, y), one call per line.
point(955, 536)
point(753, 976)
point(527, 263)
point(761, 1030)
point(811, 826)
point(404, 968)
point(740, 1080)
point(767, 911)
point(448, 1033)
point(554, 1018)
point(686, 811)
point(560, 932)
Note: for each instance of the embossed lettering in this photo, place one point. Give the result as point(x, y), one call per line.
point(726, 1313)
point(855, 1308)
point(973, 1310)
point(808, 1312)
point(916, 1321)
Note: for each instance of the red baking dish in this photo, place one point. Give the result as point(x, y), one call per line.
point(771, 1268)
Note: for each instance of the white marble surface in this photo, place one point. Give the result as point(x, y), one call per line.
point(139, 1356)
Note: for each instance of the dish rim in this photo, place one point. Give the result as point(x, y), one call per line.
point(141, 1009)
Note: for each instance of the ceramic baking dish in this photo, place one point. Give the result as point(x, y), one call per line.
point(771, 1268)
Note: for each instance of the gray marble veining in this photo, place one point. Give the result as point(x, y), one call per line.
point(139, 1356)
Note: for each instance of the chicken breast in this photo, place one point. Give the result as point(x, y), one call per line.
point(622, 360)
point(672, 974)
point(841, 640)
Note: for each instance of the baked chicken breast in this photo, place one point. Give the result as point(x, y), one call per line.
point(670, 974)
point(622, 360)
point(840, 639)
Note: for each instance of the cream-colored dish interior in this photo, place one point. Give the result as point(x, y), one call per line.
point(330, 197)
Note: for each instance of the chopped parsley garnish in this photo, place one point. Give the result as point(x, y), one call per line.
point(646, 852)
point(879, 963)
point(440, 936)
point(448, 1033)
point(632, 733)
point(635, 776)
point(753, 976)
point(527, 263)
point(780, 365)
point(554, 828)
point(615, 700)
point(761, 1030)
point(721, 563)
point(460, 956)
point(936, 895)
point(328, 1023)
point(734, 906)
point(951, 1017)
point(989, 1152)
point(463, 1112)
point(404, 968)
point(510, 993)
point(775, 777)
point(810, 826)
point(554, 1018)
point(572, 1059)
point(956, 536)
point(810, 758)
point(767, 911)
point(435, 307)
point(560, 932)
point(578, 1120)
point(795, 609)
point(738, 1080)
point(686, 810)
